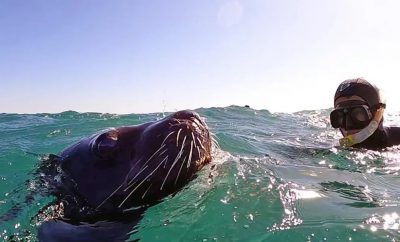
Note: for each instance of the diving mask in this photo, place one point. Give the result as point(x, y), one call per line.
point(351, 117)
point(363, 134)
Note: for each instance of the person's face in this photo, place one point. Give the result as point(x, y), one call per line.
point(344, 102)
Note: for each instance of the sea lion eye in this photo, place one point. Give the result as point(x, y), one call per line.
point(105, 145)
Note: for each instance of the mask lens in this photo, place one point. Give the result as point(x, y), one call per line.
point(337, 118)
point(360, 116)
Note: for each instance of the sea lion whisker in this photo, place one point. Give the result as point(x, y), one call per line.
point(119, 187)
point(162, 153)
point(152, 156)
point(167, 137)
point(130, 194)
point(165, 164)
point(144, 194)
point(131, 180)
point(177, 136)
point(197, 122)
point(130, 183)
point(112, 194)
point(141, 170)
point(180, 169)
point(190, 154)
point(214, 135)
point(177, 157)
point(130, 170)
point(198, 151)
point(173, 164)
point(200, 143)
point(214, 140)
point(164, 160)
point(192, 136)
point(215, 144)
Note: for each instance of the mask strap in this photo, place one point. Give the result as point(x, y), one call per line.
point(359, 137)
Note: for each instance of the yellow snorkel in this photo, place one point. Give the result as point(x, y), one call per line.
point(359, 137)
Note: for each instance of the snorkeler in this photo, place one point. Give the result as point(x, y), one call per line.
point(358, 114)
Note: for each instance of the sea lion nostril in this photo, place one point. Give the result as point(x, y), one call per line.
point(185, 114)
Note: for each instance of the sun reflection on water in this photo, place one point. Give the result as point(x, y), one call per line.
point(389, 221)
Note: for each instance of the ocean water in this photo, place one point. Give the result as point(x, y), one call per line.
point(274, 177)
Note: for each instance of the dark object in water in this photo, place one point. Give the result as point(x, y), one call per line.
point(104, 183)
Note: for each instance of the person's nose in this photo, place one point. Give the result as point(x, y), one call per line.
point(348, 122)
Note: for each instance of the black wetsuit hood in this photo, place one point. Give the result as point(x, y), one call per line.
point(361, 88)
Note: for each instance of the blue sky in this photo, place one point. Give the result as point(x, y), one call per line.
point(139, 56)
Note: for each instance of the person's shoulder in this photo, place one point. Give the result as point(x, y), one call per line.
point(392, 129)
point(393, 134)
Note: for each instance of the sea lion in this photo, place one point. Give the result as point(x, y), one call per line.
point(116, 174)
point(120, 168)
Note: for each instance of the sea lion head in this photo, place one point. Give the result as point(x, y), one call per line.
point(136, 165)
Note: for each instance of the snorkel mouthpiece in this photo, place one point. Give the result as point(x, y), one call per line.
point(359, 137)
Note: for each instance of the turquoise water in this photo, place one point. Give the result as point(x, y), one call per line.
point(277, 177)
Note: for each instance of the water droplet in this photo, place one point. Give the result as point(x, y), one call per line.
point(251, 217)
